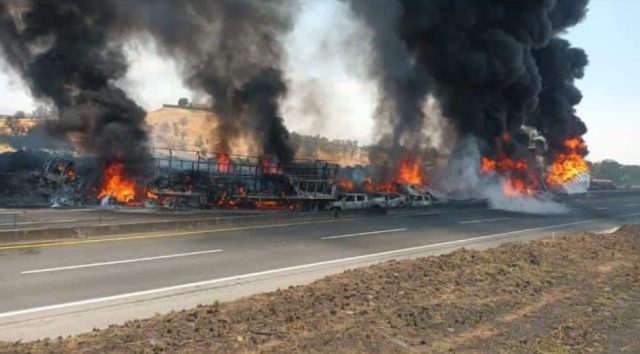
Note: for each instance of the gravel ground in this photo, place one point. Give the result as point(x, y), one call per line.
point(575, 294)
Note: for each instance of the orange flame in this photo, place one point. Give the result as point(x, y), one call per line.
point(518, 177)
point(409, 171)
point(116, 184)
point(150, 195)
point(224, 162)
point(345, 184)
point(568, 166)
point(268, 204)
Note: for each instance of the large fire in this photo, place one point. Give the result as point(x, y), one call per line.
point(518, 177)
point(568, 166)
point(224, 162)
point(116, 184)
point(345, 184)
point(409, 171)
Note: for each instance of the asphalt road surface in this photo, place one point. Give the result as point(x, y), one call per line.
point(41, 277)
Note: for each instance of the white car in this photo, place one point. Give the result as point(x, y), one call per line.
point(351, 201)
point(417, 201)
point(379, 200)
point(388, 200)
point(397, 201)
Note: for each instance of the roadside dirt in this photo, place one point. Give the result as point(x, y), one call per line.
point(574, 294)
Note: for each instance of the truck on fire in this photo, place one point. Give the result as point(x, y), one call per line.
point(221, 180)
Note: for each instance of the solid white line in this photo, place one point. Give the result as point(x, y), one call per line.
point(123, 261)
point(631, 205)
point(279, 270)
point(601, 208)
point(481, 220)
point(37, 222)
point(363, 233)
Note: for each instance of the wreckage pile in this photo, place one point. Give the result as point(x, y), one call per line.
point(221, 181)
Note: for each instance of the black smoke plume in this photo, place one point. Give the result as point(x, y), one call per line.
point(403, 85)
point(70, 52)
point(232, 51)
point(482, 62)
point(560, 65)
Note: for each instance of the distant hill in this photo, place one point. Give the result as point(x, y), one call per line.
point(194, 128)
point(7, 128)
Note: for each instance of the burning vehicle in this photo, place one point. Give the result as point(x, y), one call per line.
point(506, 81)
point(223, 181)
point(566, 174)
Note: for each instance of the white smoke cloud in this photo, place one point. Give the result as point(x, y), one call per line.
point(462, 180)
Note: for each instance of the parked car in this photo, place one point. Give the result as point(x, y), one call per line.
point(388, 200)
point(351, 201)
point(379, 200)
point(397, 201)
point(417, 201)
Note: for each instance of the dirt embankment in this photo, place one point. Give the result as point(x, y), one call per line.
point(563, 295)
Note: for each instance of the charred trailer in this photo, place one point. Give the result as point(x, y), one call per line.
point(224, 181)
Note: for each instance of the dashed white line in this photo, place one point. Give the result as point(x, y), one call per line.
point(481, 220)
point(363, 234)
point(123, 261)
point(601, 208)
point(630, 205)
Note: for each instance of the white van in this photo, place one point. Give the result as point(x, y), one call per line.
point(351, 201)
point(417, 201)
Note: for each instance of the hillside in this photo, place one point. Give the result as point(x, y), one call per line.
point(195, 129)
point(9, 126)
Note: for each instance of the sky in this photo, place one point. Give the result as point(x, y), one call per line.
point(330, 94)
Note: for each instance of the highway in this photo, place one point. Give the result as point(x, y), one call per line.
point(40, 282)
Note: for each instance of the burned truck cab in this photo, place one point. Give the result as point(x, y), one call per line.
point(58, 172)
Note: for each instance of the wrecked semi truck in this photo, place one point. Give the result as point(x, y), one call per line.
point(191, 178)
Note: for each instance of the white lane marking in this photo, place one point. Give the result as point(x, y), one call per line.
point(279, 270)
point(481, 220)
point(363, 234)
point(449, 212)
point(37, 222)
point(123, 261)
point(601, 208)
point(630, 205)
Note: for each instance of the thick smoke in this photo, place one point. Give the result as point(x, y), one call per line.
point(69, 52)
point(232, 51)
point(480, 59)
point(403, 85)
